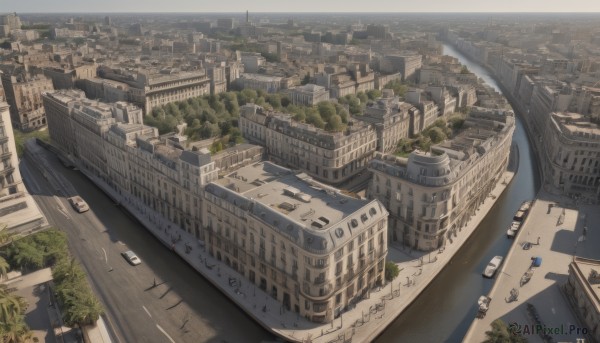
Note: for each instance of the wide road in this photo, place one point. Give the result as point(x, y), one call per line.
point(182, 307)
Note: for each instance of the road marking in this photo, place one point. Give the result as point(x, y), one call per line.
point(166, 334)
point(147, 312)
point(105, 257)
point(60, 207)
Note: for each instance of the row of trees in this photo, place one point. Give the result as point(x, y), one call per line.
point(438, 132)
point(44, 249)
point(212, 116)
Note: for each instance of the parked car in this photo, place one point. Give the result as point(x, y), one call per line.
point(131, 257)
point(78, 204)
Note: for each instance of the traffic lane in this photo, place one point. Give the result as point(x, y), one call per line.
point(122, 302)
point(203, 308)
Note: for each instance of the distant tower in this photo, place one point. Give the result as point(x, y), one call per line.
point(107, 21)
point(247, 18)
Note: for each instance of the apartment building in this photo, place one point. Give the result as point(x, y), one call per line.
point(267, 83)
point(109, 142)
point(310, 247)
point(431, 195)
point(23, 95)
point(583, 294)
point(331, 157)
point(406, 64)
point(18, 210)
point(152, 88)
point(391, 119)
point(572, 155)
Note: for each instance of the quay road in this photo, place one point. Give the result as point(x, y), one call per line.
point(183, 307)
point(445, 310)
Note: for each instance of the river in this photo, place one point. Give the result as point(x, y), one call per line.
point(445, 310)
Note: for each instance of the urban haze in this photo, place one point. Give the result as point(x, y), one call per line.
point(299, 172)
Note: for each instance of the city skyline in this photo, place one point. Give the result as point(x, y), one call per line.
point(237, 6)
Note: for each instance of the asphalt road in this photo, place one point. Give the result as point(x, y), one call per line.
point(182, 307)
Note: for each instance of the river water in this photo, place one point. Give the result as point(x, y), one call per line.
point(445, 310)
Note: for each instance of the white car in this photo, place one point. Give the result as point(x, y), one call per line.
point(78, 204)
point(131, 257)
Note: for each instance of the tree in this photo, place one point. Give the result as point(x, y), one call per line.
point(398, 87)
point(362, 97)
point(374, 94)
point(312, 117)
point(326, 109)
point(436, 135)
point(299, 116)
point(4, 267)
point(285, 101)
point(500, 333)
point(464, 70)
point(391, 271)
point(334, 123)
point(306, 79)
point(83, 308)
point(12, 324)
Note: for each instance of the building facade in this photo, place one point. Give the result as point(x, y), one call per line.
point(148, 89)
point(109, 142)
point(431, 195)
point(310, 247)
point(308, 95)
point(19, 212)
point(391, 119)
point(23, 94)
point(583, 293)
point(331, 157)
point(572, 155)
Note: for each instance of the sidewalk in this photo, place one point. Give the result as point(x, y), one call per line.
point(558, 229)
point(363, 323)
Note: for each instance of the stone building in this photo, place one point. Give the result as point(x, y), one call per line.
point(109, 142)
point(267, 83)
point(572, 155)
point(18, 210)
point(312, 248)
point(149, 88)
point(331, 157)
point(406, 64)
point(23, 95)
point(432, 195)
point(308, 95)
point(583, 293)
point(391, 119)
point(237, 156)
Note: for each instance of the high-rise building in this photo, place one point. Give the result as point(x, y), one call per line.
point(309, 246)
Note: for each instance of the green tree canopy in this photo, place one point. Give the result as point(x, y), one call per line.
point(391, 271)
point(334, 123)
point(326, 109)
point(374, 94)
point(500, 333)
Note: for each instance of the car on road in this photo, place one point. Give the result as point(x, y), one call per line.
point(78, 204)
point(131, 257)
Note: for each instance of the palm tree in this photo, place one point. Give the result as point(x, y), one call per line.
point(16, 332)
point(12, 325)
point(500, 333)
point(83, 309)
point(4, 267)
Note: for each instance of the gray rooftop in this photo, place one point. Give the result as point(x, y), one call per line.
point(311, 214)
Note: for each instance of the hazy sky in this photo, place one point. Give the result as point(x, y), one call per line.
point(299, 6)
